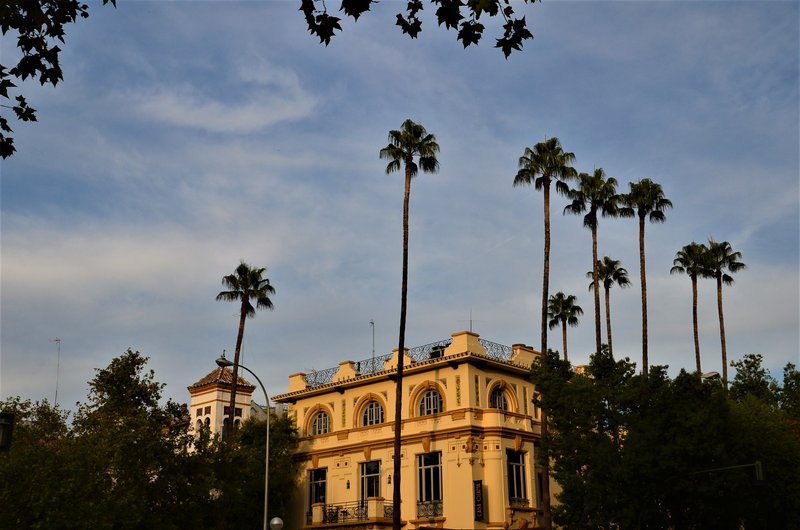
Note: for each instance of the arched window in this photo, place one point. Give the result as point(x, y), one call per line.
point(199, 425)
point(208, 422)
point(321, 423)
point(497, 399)
point(373, 413)
point(430, 402)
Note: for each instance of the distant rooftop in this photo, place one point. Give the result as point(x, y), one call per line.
point(433, 350)
point(222, 376)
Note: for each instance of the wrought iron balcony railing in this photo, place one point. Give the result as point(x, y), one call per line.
point(429, 509)
point(425, 352)
point(344, 512)
point(519, 501)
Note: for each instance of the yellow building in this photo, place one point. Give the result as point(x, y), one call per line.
point(469, 438)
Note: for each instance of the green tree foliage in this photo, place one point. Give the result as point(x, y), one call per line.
point(38, 25)
point(127, 462)
point(635, 451)
point(460, 15)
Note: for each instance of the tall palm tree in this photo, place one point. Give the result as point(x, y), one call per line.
point(246, 285)
point(547, 161)
point(692, 260)
point(721, 257)
point(645, 200)
point(595, 194)
point(412, 140)
point(609, 272)
point(540, 166)
point(563, 310)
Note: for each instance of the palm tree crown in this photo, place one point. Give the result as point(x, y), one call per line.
point(562, 310)
point(412, 140)
point(609, 272)
point(721, 257)
point(245, 285)
point(692, 260)
point(595, 194)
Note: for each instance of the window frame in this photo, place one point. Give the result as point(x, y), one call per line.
point(431, 402)
point(495, 396)
point(372, 413)
point(370, 479)
point(317, 485)
point(316, 429)
point(517, 478)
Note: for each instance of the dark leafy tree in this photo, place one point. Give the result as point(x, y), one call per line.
point(753, 380)
point(789, 397)
point(461, 15)
point(408, 143)
point(722, 259)
point(635, 451)
point(646, 201)
point(127, 463)
point(38, 25)
point(609, 272)
point(691, 260)
point(594, 195)
point(562, 310)
point(246, 285)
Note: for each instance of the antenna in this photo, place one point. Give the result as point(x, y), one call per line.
point(58, 366)
point(372, 325)
point(470, 320)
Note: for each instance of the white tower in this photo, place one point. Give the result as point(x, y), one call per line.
point(211, 398)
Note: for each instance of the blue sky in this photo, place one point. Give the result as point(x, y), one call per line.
point(189, 135)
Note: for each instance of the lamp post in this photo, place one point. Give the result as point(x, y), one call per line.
point(222, 362)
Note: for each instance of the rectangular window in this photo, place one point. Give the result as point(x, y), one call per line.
point(370, 479)
point(207, 410)
point(429, 499)
point(317, 479)
point(517, 493)
point(199, 411)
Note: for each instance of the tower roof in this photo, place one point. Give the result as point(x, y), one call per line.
point(223, 377)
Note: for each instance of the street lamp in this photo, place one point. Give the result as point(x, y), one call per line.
point(222, 362)
point(276, 523)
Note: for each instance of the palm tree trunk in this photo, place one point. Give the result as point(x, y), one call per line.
point(546, 267)
point(645, 362)
point(694, 323)
point(398, 408)
point(722, 332)
point(608, 319)
point(232, 410)
point(598, 339)
point(564, 337)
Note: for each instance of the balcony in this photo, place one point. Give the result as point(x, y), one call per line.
point(366, 513)
point(429, 509)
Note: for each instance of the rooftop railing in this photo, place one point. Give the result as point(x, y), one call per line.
point(425, 352)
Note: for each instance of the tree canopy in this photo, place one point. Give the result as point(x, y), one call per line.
point(635, 451)
point(127, 462)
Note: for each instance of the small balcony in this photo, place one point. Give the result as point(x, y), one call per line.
point(370, 512)
point(429, 509)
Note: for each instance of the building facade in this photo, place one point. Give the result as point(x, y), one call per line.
point(469, 439)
